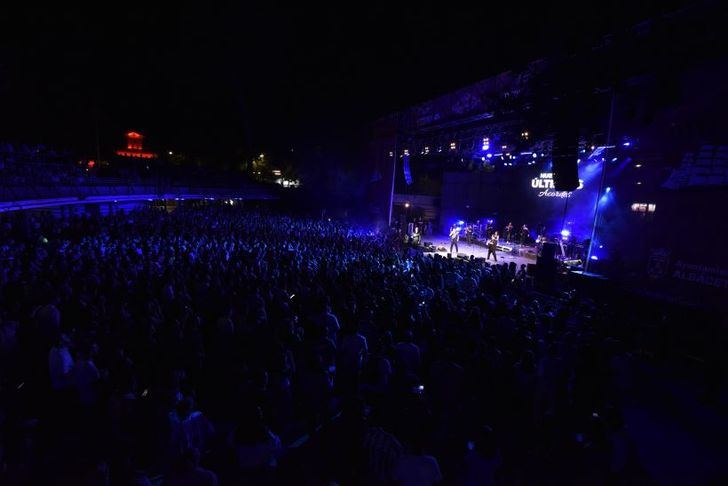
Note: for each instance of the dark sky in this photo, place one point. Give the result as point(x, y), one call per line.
point(220, 79)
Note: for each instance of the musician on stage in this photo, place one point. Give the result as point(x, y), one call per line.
point(493, 246)
point(454, 237)
point(469, 234)
point(509, 232)
point(524, 234)
point(416, 236)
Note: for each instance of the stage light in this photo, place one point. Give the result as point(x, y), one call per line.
point(534, 155)
point(626, 144)
point(639, 183)
point(601, 246)
point(614, 159)
point(406, 205)
point(483, 159)
point(461, 222)
point(609, 189)
point(637, 166)
point(594, 257)
point(489, 155)
point(565, 233)
point(406, 151)
point(170, 152)
point(452, 145)
point(391, 154)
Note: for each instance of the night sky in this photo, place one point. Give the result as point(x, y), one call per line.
point(236, 79)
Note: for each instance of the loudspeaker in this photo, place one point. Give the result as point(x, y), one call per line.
point(565, 151)
point(546, 264)
point(548, 252)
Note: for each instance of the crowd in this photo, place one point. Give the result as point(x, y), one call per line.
point(218, 345)
point(36, 165)
point(30, 172)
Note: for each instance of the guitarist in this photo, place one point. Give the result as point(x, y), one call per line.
point(454, 237)
point(509, 232)
point(492, 247)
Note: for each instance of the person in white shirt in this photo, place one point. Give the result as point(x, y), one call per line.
point(328, 322)
point(408, 353)
point(482, 461)
point(352, 348)
point(84, 377)
point(189, 472)
point(60, 363)
point(417, 470)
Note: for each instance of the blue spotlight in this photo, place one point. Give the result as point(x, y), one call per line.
point(594, 257)
point(609, 189)
point(565, 233)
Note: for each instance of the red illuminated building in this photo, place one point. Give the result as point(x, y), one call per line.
point(134, 147)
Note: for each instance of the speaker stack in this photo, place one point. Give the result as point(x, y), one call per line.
point(546, 264)
point(565, 149)
point(564, 154)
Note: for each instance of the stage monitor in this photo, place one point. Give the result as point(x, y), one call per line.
point(564, 154)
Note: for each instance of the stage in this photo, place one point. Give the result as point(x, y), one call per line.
point(479, 250)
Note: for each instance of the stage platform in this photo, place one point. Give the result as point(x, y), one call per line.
point(478, 250)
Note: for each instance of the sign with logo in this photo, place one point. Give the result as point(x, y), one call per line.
point(658, 263)
point(709, 275)
point(544, 183)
